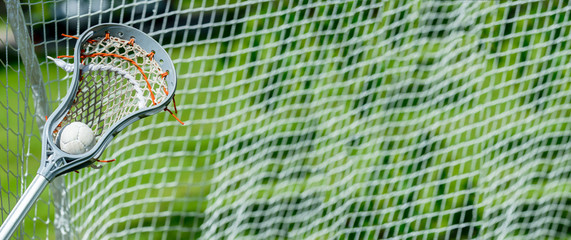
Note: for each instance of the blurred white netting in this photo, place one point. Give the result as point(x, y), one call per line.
point(323, 120)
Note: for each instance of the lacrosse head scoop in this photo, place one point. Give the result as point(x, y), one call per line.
point(120, 75)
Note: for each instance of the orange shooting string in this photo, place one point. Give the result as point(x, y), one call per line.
point(150, 55)
point(74, 37)
point(134, 63)
point(69, 36)
point(124, 58)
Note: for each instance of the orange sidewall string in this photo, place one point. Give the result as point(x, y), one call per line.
point(150, 55)
point(166, 109)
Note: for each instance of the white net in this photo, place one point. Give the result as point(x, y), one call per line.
point(332, 120)
point(19, 135)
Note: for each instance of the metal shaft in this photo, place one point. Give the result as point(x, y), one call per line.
point(23, 206)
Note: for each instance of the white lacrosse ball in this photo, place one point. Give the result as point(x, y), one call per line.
point(75, 138)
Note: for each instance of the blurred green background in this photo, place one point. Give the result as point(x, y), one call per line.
point(398, 119)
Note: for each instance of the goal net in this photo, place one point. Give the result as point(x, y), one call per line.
point(310, 120)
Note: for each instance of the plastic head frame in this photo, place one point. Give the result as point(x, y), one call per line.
point(56, 162)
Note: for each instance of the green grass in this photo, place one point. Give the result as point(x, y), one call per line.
point(21, 139)
point(19, 143)
point(446, 155)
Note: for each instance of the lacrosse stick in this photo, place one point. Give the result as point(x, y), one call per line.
point(120, 75)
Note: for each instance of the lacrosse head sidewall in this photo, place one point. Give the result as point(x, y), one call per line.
point(50, 152)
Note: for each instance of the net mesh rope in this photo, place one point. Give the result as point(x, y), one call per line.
point(117, 78)
point(333, 120)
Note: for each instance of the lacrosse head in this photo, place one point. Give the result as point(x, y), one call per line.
point(120, 75)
